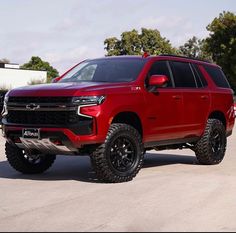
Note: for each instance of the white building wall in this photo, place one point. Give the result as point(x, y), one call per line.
point(12, 78)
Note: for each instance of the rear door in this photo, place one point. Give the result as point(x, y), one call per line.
point(196, 98)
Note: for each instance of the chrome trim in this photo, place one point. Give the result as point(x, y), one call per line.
point(41, 104)
point(83, 106)
point(32, 107)
point(48, 109)
point(4, 112)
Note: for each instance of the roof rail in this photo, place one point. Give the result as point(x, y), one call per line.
point(191, 58)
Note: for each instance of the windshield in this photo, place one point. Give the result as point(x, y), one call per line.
point(105, 70)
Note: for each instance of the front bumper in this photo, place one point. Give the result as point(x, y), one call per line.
point(70, 143)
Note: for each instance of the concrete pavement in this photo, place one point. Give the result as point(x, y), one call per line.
point(171, 193)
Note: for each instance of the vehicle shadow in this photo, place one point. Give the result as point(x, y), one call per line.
point(80, 169)
point(157, 160)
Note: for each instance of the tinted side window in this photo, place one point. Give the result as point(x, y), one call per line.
point(183, 75)
point(217, 76)
point(161, 68)
point(201, 81)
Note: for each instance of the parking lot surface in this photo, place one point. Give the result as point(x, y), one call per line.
point(171, 193)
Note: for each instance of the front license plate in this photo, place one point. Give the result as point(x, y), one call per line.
point(31, 133)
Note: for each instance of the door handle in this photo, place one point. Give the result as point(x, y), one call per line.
point(176, 97)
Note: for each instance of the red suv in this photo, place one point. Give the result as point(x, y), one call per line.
point(115, 109)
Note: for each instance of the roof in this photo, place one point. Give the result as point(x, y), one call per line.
point(167, 56)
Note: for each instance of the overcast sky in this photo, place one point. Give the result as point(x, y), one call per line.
point(65, 32)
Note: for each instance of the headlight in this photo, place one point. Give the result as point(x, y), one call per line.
point(89, 100)
point(4, 110)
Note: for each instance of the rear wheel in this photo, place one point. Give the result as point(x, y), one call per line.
point(210, 150)
point(27, 163)
point(120, 158)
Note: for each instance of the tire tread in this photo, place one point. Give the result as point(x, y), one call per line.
point(202, 148)
point(15, 158)
point(99, 162)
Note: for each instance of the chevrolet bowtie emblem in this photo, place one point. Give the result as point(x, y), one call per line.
point(32, 107)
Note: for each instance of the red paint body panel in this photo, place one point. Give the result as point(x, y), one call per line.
point(171, 113)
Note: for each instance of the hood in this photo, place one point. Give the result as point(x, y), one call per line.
point(67, 89)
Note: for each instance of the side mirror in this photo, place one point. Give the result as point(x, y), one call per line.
point(55, 80)
point(158, 80)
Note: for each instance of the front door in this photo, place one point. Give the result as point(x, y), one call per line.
point(164, 116)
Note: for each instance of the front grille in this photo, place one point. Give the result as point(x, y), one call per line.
point(52, 112)
point(37, 100)
point(43, 118)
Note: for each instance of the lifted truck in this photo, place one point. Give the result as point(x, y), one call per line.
point(115, 109)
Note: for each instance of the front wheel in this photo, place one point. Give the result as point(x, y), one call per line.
point(210, 150)
point(120, 158)
point(26, 163)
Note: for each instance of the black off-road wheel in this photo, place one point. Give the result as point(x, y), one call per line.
point(211, 148)
point(26, 163)
point(121, 156)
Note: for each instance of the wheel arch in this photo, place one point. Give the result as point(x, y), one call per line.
point(219, 116)
point(130, 118)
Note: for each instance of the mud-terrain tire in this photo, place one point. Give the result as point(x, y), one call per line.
point(120, 157)
point(211, 148)
point(25, 164)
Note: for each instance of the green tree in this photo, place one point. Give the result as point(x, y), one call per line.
point(112, 46)
point(222, 44)
point(195, 48)
point(36, 63)
point(130, 43)
point(154, 43)
point(135, 43)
